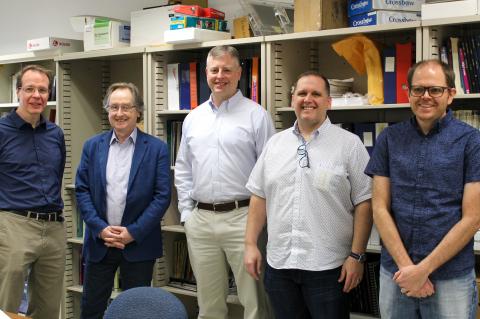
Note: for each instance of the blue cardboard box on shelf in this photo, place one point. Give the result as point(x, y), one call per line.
point(382, 17)
point(356, 7)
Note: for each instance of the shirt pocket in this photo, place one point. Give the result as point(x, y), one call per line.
point(330, 178)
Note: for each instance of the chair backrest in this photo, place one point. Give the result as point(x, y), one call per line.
point(146, 303)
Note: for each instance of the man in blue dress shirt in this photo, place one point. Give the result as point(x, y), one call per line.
point(123, 190)
point(426, 202)
point(32, 235)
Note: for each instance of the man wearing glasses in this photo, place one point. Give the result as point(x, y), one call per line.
point(308, 186)
point(123, 190)
point(426, 201)
point(32, 235)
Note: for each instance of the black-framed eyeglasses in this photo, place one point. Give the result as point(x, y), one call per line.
point(433, 91)
point(304, 161)
point(117, 107)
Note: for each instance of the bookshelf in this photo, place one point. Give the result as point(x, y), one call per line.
point(83, 77)
point(9, 66)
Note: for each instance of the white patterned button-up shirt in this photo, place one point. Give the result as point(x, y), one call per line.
point(310, 209)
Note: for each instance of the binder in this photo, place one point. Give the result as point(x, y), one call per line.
point(203, 89)
point(193, 85)
point(403, 53)
point(173, 87)
point(389, 76)
point(366, 132)
point(243, 83)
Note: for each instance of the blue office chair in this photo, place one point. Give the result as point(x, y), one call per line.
point(146, 303)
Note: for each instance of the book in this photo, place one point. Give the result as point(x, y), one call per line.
point(456, 65)
point(184, 80)
point(463, 70)
point(173, 87)
point(403, 54)
point(243, 83)
point(255, 80)
point(193, 85)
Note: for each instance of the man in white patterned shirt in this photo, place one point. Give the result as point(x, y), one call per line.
point(310, 186)
point(221, 141)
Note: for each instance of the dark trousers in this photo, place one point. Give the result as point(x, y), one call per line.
point(99, 277)
point(302, 294)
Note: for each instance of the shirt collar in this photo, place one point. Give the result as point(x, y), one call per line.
point(19, 122)
point(323, 128)
point(132, 138)
point(439, 124)
point(227, 104)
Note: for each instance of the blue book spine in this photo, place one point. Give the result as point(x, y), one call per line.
point(184, 73)
point(389, 76)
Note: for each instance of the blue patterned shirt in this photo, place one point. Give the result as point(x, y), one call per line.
point(427, 177)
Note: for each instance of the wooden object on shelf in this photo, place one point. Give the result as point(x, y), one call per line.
point(314, 15)
point(15, 316)
point(241, 28)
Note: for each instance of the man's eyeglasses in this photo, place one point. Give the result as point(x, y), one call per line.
point(433, 91)
point(32, 89)
point(117, 107)
point(303, 153)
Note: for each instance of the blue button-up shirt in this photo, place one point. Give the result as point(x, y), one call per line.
point(32, 161)
point(427, 177)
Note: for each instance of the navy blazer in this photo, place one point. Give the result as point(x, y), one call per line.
point(148, 196)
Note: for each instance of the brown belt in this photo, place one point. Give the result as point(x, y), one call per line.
point(224, 207)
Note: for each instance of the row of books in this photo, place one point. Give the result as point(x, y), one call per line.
point(365, 297)
point(187, 85)
point(463, 53)
point(471, 117)
point(368, 132)
point(174, 135)
point(182, 274)
point(396, 62)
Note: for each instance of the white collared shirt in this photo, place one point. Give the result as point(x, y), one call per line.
point(118, 172)
point(310, 210)
point(218, 150)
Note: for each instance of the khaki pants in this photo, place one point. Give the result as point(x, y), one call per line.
point(213, 240)
point(26, 243)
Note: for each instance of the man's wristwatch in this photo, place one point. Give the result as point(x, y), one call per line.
point(361, 258)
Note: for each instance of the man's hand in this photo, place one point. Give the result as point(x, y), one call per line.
point(252, 259)
point(413, 281)
point(116, 236)
point(352, 273)
point(426, 291)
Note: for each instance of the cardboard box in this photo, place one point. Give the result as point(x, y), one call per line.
point(313, 15)
point(149, 26)
point(54, 43)
point(188, 35)
point(450, 9)
point(194, 10)
point(201, 3)
point(382, 17)
point(241, 28)
point(106, 33)
point(363, 6)
point(196, 22)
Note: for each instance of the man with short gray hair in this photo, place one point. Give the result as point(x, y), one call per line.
point(123, 190)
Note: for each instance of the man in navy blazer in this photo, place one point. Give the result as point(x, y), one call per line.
point(123, 190)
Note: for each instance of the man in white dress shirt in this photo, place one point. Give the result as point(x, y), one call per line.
point(221, 141)
point(310, 187)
